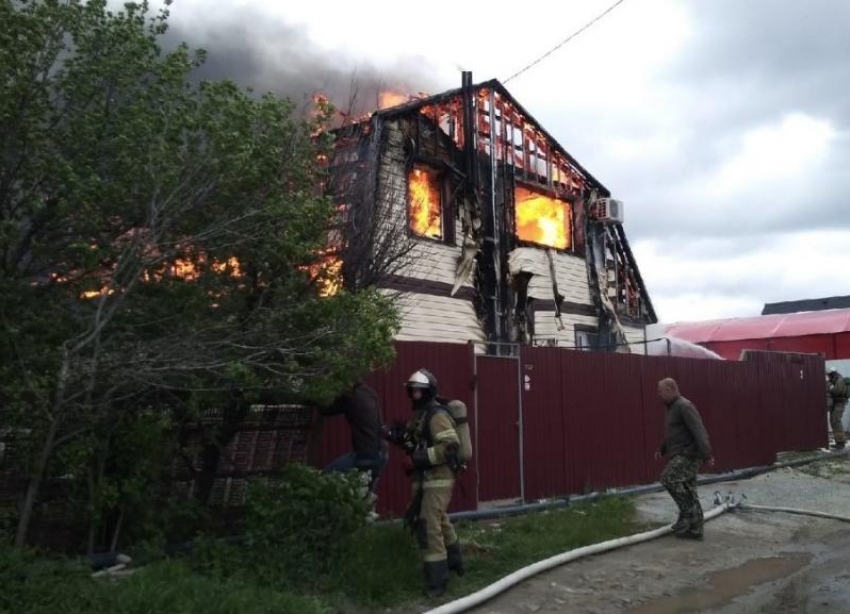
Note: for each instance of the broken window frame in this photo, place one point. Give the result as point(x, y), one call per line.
point(553, 194)
point(582, 331)
point(447, 234)
point(627, 298)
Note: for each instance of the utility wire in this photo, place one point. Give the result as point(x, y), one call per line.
point(565, 41)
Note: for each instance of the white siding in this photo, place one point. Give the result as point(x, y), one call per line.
point(546, 327)
point(433, 261)
point(430, 259)
point(424, 317)
point(437, 318)
point(635, 336)
point(570, 273)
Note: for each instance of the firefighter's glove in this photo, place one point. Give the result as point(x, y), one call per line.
point(395, 432)
point(399, 435)
point(420, 458)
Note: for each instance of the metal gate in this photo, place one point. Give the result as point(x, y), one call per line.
point(498, 420)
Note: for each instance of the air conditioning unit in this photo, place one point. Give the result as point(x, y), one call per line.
point(608, 210)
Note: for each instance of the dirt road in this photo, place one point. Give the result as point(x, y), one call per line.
point(749, 562)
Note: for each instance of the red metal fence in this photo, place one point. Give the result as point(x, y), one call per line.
point(554, 422)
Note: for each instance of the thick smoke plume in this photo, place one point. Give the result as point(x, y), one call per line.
point(268, 55)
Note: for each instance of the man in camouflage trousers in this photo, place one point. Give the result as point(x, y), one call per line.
point(431, 441)
point(686, 443)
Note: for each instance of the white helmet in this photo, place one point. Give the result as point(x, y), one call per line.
point(423, 380)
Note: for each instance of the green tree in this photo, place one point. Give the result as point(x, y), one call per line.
point(160, 243)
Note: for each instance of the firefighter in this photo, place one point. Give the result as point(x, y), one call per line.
point(431, 442)
point(837, 390)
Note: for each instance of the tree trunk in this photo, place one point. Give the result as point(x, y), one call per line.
point(93, 524)
point(35, 484)
point(44, 457)
point(116, 534)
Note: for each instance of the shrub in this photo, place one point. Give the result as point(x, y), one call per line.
point(37, 585)
point(302, 523)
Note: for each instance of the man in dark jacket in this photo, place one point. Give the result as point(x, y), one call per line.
point(686, 443)
point(359, 404)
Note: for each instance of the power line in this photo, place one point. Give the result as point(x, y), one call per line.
point(565, 41)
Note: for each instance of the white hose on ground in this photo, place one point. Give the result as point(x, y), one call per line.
point(488, 592)
point(792, 510)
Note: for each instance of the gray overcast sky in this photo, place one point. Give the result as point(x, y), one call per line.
point(724, 125)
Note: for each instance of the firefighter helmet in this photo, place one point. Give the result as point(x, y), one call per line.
point(423, 380)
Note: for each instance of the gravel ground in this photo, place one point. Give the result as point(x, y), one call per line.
point(823, 486)
point(750, 562)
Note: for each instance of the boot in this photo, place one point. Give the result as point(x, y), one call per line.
point(681, 523)
point(691, 533)
point(436, 578)
point(455, 559)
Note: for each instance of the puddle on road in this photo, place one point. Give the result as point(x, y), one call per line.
point(726, 584)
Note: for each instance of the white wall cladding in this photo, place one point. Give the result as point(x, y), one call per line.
point(437, 318)
point(636, 337)
point(430, 259)
point(570, 273)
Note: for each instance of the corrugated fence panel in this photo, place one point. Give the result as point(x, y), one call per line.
point(585, 420)
point(543, 424)
point(498, 428)
point(624, 390)
point(611, 402)
point(593, 420)
point(794, 398)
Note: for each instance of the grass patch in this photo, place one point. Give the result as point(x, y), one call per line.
point(784, 457)
point(44, 586)
point(383, 569)
point(379, 568)
point(828, 469)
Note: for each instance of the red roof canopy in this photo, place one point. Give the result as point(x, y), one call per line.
point(763, 327)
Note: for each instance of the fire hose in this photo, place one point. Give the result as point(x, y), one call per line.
point(746, 507)
point(722, 504)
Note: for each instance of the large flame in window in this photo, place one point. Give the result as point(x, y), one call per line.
point(426, 218)
point(542, 219)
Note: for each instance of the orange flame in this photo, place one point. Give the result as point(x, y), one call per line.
point(387, 99)
point(424, 192)
point(185, 269)
point(543, 219)
point(90, 294)
point(230, 266)
point(328, 273)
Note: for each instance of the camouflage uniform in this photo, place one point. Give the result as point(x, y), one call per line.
point(686, 442)
point(837, 390)
point(679, 478)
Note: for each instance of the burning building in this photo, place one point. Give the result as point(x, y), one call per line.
point(511, 239)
